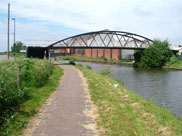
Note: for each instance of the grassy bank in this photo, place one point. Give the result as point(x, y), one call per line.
point(102, 60)
point(16, 54)
point(19, 103)
point(121, 112)
point(174, 63)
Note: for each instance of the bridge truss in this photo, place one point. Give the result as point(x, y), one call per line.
point(104, 39)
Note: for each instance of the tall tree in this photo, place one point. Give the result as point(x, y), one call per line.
point(17, 47)
point(156, 55)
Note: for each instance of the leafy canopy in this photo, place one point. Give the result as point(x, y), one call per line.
point(156, 55)
point(17, 47)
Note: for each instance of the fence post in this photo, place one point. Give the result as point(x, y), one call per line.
point(18, 76)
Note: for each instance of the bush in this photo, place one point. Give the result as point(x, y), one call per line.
point(66, 58)
point(71, 62)
point(156, 55)
point(80, 65)
point(174, 59)
point(89, 67)
point(137, 56)
point(105, 72)
point(34, 73)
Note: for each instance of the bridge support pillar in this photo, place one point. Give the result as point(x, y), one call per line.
point(91, 53)
point(104, 53)
point(120, 53)
point(111, 53)
point(97, 53)
point(70, 51)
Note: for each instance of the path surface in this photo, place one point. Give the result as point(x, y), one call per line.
point(64, 115)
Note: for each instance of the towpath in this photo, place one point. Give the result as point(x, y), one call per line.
point(68, 112)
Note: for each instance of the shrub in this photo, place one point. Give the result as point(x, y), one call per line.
point(71, 62)
point(80, 65)
point(137, 56)
point(34, 73)
point(156, 55)
point(89, 67)
point(174, 59)
point(105, 72)
point(66, 58)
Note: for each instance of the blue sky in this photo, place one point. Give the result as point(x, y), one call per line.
point(57, 19)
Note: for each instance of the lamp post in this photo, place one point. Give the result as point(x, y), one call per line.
point(8, 28)
point(14, 30)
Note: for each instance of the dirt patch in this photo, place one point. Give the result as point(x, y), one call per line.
point(165, 131)
point(148, 115)
point(125, 96)
point(135, 105)
point(122, 105)
point(91, 109)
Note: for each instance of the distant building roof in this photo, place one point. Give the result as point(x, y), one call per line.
point(23, 51)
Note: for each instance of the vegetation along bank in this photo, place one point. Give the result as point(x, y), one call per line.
point(122, 112)
point(157, 55)
point(96, 60)
point(25, 84)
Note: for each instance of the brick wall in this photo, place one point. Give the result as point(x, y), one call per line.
point(94, 53)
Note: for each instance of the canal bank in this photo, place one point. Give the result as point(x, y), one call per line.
point(2, 57)
point(109, 61)
point(122, 112)
point(163, 87)
point(96, 60)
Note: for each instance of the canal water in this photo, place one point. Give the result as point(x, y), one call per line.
point(2, 57)
point(164, 87)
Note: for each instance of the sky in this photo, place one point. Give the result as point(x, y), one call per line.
point(40, 20)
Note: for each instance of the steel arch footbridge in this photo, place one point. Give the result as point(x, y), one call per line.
point(104, 40)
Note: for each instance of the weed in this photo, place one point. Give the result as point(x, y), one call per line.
point(89, 67)
point(71, 62)
point(105, 72)
point(34, 73)
point(79, 65)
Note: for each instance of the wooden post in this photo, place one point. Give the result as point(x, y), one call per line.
point(104, 53)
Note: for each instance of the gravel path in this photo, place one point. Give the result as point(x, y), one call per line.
point(67, 113)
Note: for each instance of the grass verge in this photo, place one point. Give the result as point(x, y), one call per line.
point(122, 112)
point(177, 65)
point(84, 58)
point(38, 96)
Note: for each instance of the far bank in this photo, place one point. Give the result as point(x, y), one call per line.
point(173, 66)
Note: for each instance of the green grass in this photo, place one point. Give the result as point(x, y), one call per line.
point(16, 54)
point(38, 96)
point(83, 58)
point(177, 64)
point(123, 113)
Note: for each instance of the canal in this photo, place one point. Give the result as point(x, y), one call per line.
point(163, 87)
point(3, 57)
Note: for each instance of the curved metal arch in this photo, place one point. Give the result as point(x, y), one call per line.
point(133, 40)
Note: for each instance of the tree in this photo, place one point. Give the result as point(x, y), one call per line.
point(17, 47)
point(156, 55)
